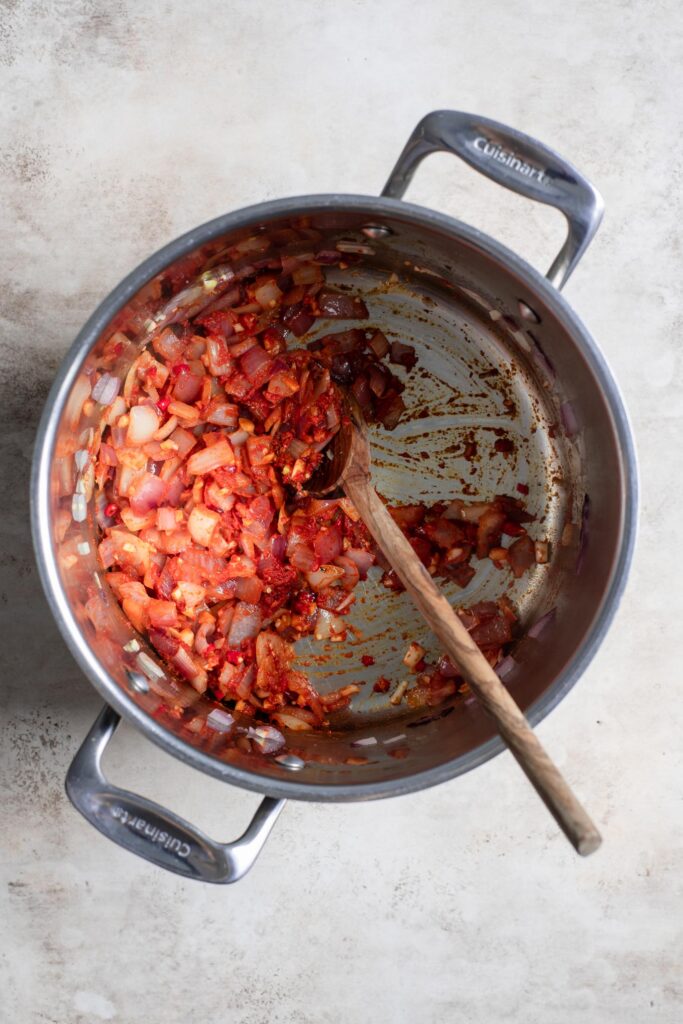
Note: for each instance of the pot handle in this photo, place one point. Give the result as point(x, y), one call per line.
point(514, 160)
point(150, 830)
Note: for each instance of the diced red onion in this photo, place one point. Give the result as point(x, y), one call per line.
point(324, 577)
point(106, 389)
point(245, 625)
point(219, 720)
point(255, 363)
point(297, 448)
point(361, 392)
point(298, 320)
point(238, 438)
point(267, 293)
point(403, 355)
point(209, 459)
point(327, 625)
point(569, 420)
point(539, 626)
point(79, 508)
point(357, 247)
point(363, 559)
point(307, 273)
point(446, 668)
point(249, 589)
point(379, 344)
point(328, 256)
point(389, 410)
point(143, 424)
point(166, 519)
point(267, 738)
point(505, 667)
point(302, 557)
point(350, 569)
point(341, 305)
point(377, 381)
point(146, 493)
point(328, 543)
point(187, 387)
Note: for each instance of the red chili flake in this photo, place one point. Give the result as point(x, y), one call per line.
point(180, 368)
point(420, 667)
point(163, 403)
point(522, 488)
point(111, 510)
point(367, 660)
point(382, 685)
point(118, 348)
point(234, 657)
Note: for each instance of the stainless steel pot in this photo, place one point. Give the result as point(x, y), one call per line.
point(500, 350)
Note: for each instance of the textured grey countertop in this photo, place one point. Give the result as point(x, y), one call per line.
point(125, 124)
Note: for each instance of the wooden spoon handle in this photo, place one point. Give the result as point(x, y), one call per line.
point(445, 624)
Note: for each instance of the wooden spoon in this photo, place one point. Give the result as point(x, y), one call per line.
point(348, 466)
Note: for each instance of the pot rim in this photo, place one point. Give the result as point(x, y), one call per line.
point(245, 217)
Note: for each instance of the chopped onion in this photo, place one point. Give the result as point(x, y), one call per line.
point(397, 695)
point(324, 577)
point(538, 627)
point(166, 519)
point(341, 305)
point(267, 293)
point(266, 738)
point(256, 364)
point(446, 668)
point(246, 623)
point(238, 438)
point(146, 492)
point(106, 389)
point(79, 508)
point(328, 625)
point(402, 354)
point(541, 551)
point(363, 559)
point(364, 741)
point(379, 344)
point(209, 459)
point(569, 419)
point(201, 524)
point(505, 667)
point(413, 655)
point(219, 720)
point(289, 719)
point(149, 666)
point(142, 425)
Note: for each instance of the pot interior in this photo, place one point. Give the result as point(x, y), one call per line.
point(495, 360)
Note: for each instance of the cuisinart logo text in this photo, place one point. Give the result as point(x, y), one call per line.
point(503, 156)
point(157, 835)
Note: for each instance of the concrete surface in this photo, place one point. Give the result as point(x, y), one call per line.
point(126, 123)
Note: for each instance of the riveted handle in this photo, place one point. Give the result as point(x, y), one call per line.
point(516, 161)
point(150, 830)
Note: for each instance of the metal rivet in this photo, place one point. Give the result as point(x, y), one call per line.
point(291, 762)
point(376, 231)
point(137, 682)
point(528, 313)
